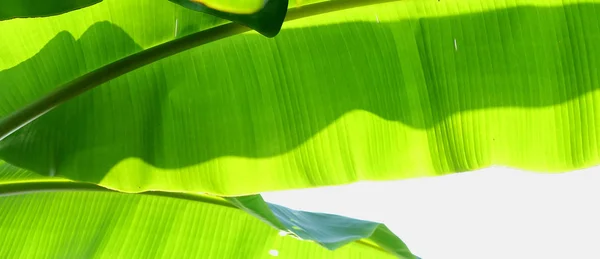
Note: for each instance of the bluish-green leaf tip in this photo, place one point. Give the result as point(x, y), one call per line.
point(328, 230)
point(266, 21)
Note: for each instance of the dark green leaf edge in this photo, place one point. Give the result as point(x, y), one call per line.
point(267, 21)
point(89, 81)
point(10, 9)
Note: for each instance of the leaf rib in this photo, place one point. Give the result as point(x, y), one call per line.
point(19, 188)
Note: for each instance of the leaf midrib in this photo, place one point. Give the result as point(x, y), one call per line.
point(18, 188)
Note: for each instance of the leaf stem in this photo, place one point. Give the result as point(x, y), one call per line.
point(80, 85)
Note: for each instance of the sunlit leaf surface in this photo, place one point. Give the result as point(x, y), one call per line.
point(48, 219)
point(389, 91)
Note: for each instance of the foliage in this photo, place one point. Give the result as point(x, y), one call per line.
point(74, 219)
point(348, 90)
point(107, 223)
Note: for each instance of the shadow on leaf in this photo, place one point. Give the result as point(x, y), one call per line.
point(253, 97)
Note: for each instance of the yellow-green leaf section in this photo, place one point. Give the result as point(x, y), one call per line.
point(85, 224)
point(234, 6)
point(388, 91)
point(44, 217)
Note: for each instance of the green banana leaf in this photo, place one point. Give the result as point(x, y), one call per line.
point(45, 217)
point(85, 220)
point(99, 224)
point(378, 92)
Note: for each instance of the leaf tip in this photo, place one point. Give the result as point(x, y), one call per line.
point(267, 20)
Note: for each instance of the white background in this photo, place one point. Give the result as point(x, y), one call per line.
point(486, 214)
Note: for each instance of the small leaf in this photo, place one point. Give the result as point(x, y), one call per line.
point(266, 18)
point(10, 9)
point(330, 231)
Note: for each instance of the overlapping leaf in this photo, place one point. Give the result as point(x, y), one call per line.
point(264, 16)
point(42, 217)
point(330, 231)
point(89, 224)
point(390, 91)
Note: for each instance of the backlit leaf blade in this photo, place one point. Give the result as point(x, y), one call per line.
point(10, 9)
point(87, 224)
point(390, 91)
point(74, 220)
point(267, 19)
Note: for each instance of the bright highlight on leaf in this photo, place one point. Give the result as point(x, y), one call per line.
point(234, 6)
